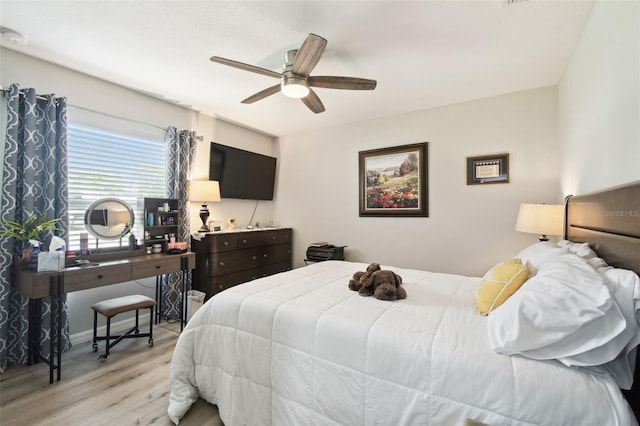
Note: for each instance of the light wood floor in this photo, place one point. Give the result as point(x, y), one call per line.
point(131, 388)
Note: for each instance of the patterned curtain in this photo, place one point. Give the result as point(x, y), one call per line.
point(34, 182)
point(181, 153)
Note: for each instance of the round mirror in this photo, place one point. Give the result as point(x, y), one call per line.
point(109, 219)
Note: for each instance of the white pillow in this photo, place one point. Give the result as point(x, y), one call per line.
point(536, 254)
point(584, 251)
point(557, 314)
point(625, 287)
point(594, 343)
point(580, 249)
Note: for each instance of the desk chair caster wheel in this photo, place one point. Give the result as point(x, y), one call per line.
point(95, 347)
point(150, 343)
point(102, 358)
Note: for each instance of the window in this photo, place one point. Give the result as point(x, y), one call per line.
point(105, 163)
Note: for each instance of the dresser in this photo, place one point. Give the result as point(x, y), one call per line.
point(228, 258)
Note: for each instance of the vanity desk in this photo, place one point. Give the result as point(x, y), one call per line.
point(106, 269)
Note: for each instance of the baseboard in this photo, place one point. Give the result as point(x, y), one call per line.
point(116, 327)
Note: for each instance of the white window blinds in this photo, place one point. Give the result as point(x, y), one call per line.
point(105, 163)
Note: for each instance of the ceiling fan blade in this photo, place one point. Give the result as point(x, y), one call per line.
point(262, 94)
point(245, 67)
point(347, 83)
point(313, 102)
point(308, 55)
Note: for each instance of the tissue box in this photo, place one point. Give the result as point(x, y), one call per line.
point(50, 261)
point(178, 246)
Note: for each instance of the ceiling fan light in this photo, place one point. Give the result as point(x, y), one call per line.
point(294, 87)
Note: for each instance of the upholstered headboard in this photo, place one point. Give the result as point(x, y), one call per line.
point(609, 221)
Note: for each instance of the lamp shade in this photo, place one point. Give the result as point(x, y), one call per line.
point(204, 190)
point(544, 219)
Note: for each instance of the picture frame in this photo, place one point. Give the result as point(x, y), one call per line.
point(487, 169)
point(393, 181)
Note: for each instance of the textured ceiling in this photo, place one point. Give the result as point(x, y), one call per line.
point(422, 53)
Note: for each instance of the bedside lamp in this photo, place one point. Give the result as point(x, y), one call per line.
point(544, 219)
point(203, 191)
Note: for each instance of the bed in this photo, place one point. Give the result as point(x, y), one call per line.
point(300, 348)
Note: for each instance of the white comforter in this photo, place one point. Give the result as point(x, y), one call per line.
point(300, 348)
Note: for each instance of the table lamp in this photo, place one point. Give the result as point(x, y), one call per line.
point(544, 219)
point(204, 191)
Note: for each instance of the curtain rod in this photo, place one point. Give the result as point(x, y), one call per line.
point(5, 91)
point(124, 119)
point(118, 117)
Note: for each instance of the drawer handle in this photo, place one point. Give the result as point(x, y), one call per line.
point(157, 266)
point(273, 238)
point(100, 277)
point(253, 257)
point(221, 263)
point(265, 255)
point(244, 241)
point(220, 286)
point(226, 243)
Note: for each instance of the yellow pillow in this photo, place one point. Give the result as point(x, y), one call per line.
point(499, 283)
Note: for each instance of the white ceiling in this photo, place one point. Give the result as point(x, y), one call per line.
point(423, 54)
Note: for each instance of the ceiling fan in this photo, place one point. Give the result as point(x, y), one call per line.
point(295, 81)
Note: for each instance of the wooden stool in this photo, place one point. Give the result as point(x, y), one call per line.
point(112, 307)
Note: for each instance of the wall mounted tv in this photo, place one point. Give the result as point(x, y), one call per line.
point(242, 174)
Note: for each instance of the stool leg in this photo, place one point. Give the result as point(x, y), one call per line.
point(95, 331)
point(105, 355)
point(137, 326)
point(151, 326)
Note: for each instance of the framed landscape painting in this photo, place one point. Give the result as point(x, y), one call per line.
point(393, 181)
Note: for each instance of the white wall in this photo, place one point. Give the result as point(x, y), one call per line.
point(240, 137)
point(599, 101)
point(101, 96)
point(469, 228)
point(591, 120)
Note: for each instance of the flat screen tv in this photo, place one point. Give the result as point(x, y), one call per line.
point(242, 174)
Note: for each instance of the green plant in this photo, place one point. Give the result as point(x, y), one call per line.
point(33, 229)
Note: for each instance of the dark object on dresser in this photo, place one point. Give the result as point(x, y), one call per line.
point(226, 259)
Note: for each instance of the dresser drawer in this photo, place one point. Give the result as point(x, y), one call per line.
point(77, 279)
point(284, 236)
point(228, 262)
point(223, 242)
point(257, 239)
point(261, 256)
point(279, 253)
point(149, 268)
point(222, 282)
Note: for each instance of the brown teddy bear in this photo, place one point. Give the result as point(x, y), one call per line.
point(382, 284)
point(360, 277)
